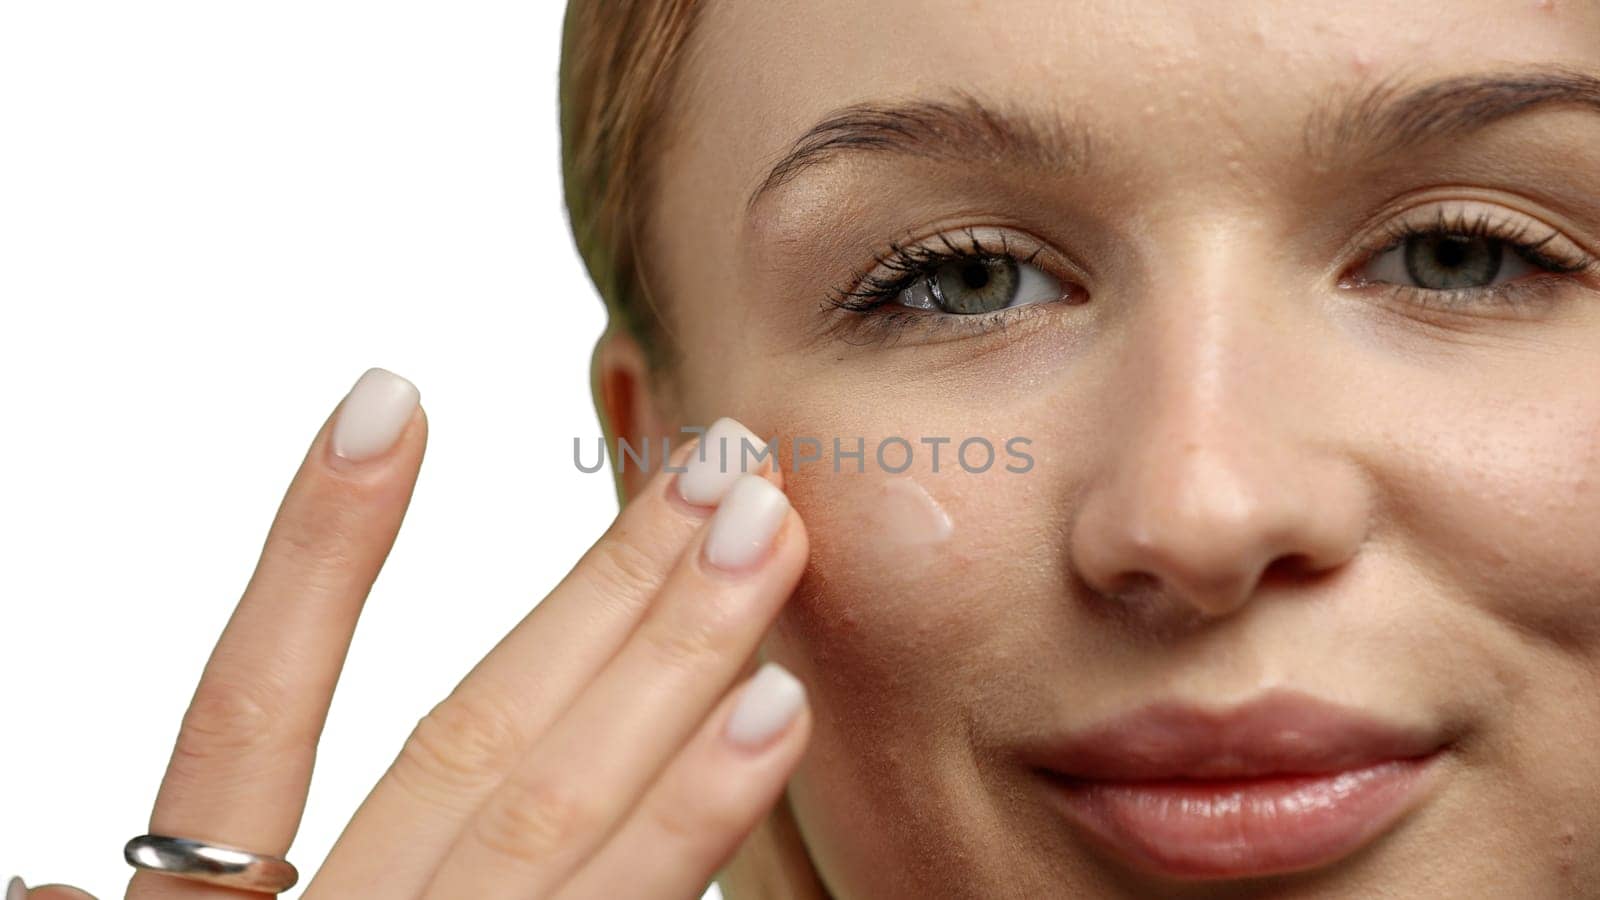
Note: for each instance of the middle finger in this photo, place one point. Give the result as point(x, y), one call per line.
point(583, 777)
point(462, 749)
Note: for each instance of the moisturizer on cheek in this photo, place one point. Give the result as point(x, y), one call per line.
point(906, 514)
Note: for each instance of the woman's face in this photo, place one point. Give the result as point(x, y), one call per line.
point(1274, 447)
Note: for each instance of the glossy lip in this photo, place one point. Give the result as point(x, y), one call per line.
point(1282, 784)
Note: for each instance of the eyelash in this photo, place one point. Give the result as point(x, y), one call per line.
point(1514, 295)
point(905, 265)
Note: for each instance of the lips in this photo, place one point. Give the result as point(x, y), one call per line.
point(1285, 783)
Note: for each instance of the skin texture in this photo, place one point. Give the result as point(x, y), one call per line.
point(1306, 485)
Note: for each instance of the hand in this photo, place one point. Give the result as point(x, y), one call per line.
point(594, 752)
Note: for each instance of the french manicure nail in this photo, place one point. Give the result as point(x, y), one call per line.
point(772, 699)
point(718, 462)
point(744, 524)
point(16, 889)
point(374, 413)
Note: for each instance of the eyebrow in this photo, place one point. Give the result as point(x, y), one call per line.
point(1390, 115)
point(1375, 118)
point(964, 128)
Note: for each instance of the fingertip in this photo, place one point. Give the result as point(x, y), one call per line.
point(725, 451)
point(374, 413)
point(792, 545)
point(55, 892)
point(770, 704)
point(796, 524)
point(774, 474)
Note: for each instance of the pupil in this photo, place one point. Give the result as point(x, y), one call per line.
point(1448, 262)
point(1451, 252)
point(975, 275)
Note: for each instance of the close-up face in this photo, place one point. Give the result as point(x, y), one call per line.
point(1283, 323)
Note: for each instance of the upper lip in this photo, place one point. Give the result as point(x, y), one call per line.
point(1279, 733)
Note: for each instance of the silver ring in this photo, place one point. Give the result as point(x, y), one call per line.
point(211, 863)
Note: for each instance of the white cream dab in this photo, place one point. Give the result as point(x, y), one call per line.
point(908, 514)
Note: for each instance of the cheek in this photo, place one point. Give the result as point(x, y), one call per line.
point(906, 596)
point(1503, 503)
point(885, 582)
point(922, 584)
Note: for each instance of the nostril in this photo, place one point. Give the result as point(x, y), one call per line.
point(1286, 570)
point(1133, 585)
point(1142, 605)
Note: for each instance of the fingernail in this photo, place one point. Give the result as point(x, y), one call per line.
point(772, 699)
point(744, 524)
point(374, 413)
point(54, 890)
point(718, 462)
point(16, 889)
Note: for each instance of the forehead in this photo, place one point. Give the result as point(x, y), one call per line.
point(1237, 83)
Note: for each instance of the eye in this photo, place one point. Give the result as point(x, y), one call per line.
point(1449, 262)
point(980, 284)
point(1482, 258)
point(964, 283)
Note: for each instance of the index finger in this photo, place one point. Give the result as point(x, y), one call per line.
point(464, 746)
point(241, 766)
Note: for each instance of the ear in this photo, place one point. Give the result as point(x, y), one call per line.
point(631, 404)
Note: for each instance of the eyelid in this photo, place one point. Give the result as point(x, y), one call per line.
point(1528, 296)
point(884, 320)
point(991, 240)
point(1498, 222)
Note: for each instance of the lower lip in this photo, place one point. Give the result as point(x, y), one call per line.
point(1222, 828)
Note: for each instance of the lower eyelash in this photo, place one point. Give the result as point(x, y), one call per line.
point(1526, 295)
point(1528, 292)
point(863, 328)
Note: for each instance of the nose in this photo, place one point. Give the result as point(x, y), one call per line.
point(1220, 467)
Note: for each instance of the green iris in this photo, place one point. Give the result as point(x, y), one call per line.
point(970, 286)
point(1442, 262)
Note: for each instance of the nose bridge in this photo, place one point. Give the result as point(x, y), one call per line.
point(1207, 415)
point(1210, 478)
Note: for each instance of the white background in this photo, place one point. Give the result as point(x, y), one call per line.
point(213, 218)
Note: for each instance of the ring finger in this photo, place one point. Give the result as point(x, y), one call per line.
point(462, 749)
point(583, 777)
point(241, 766)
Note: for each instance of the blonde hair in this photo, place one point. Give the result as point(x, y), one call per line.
point(619, 62)
point(619, 59)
